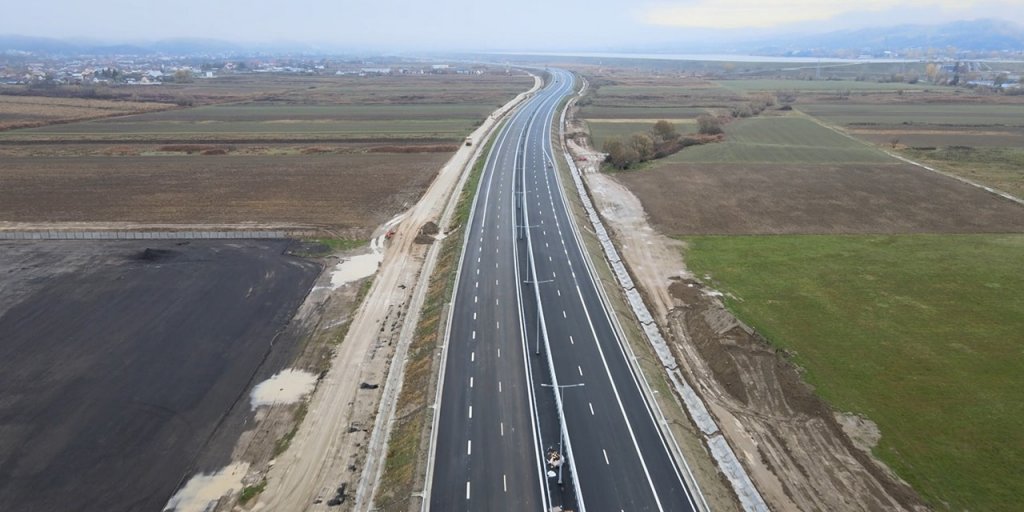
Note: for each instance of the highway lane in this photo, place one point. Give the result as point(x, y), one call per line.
point(622, 459)
point(487, 452)
point(496, 418)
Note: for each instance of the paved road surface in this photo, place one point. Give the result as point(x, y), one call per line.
point(497, 416)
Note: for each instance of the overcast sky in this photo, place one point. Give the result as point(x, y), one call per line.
point(551, 25)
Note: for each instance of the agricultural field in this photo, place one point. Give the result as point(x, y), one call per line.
point(920, 333)
point(604, 129)
point(655, 99)
point(339, 153)
point(350, 193)
point(975, 138)
point(816, 198)
point(895, 289)
point(30, 111)
point(1000, 167)
point(380, 108)
point(781, 139)
point(742, 86)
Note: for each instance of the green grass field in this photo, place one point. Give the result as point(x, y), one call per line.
point(1002, 168)
point(772, 85)
point(923, 334)
point(781, 140)
point(601, 132)
point(207, 130)
point(683, 90)
point(600, 111)
point(917, 114)
point(268, 120)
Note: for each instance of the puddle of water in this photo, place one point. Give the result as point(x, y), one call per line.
point(285, 387)
point(203, 490)
point(355, 268)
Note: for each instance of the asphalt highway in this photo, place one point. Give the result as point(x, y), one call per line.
point(498, 410)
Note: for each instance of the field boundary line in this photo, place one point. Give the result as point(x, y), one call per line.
point(992, 190)
point(986, 188)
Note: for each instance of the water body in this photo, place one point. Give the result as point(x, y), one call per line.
point(714, 57)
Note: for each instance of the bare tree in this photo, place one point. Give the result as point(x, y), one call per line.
point(643, 145)
point(708, 125)
point(664, 131)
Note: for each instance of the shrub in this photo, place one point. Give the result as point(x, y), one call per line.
point(708, 125)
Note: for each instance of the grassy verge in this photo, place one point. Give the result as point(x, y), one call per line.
point(300, 414)
point(251, 491)
point(412, 416)
point(319, 247)
point(920, 333)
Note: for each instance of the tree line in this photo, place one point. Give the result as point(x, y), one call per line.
point(660, 141)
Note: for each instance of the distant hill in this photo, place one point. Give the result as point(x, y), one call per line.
point(177, 47)
point(974, 36)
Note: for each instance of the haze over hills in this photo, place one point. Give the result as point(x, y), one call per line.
point(972, 36)
point(953, 39)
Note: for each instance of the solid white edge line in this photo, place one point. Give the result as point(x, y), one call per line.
point(439, 392)
point(623, 345)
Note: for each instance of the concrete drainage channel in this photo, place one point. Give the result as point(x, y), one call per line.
point(145, 235)
point(750, 498)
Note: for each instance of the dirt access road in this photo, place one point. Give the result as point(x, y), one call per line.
point(799, 456)
point(334, 433)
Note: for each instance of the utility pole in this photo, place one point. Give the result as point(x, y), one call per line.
point(561, 434)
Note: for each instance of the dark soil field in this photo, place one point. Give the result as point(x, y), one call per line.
point(687, 199)
point(344, 192)
point(119, 361)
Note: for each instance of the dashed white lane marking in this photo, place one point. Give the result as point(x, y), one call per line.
point(559, 292)
point(474, 315)
point(499, 386)
point(474, 335)
point(469, 448)
point(554, 274)
point(495, 302)
point(478, 259)
point(580, 369)
point(497, 325)
point(495, 282)
point(472, 356)
point(549, 258)
point(571, 341)
point(477, 284)
point(563, 314)
point(477, 271)
point(471, 382)
point(475, 298)
point(504, 483)
point(471, 412)
point(499, 353)
point(502, 424)
point(545, 244)
point(605, 456)
point(467, 489)
point(591, 408)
